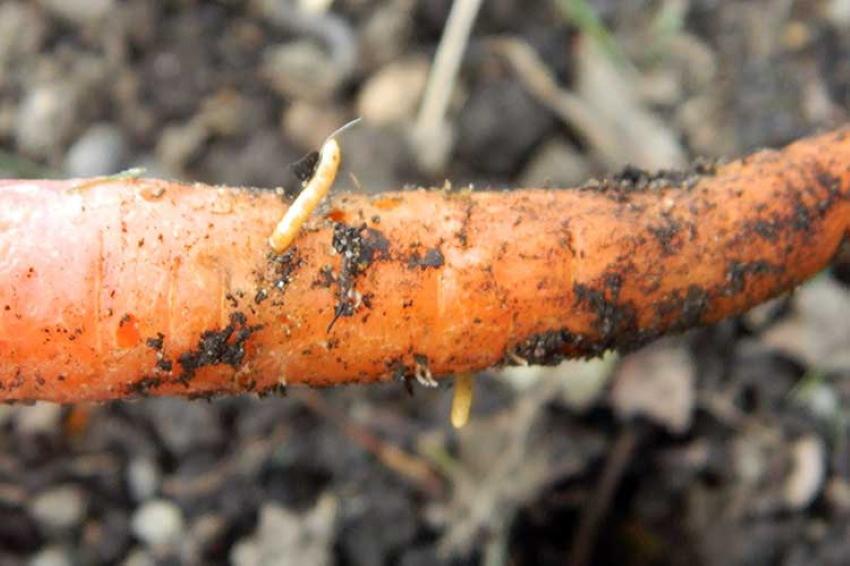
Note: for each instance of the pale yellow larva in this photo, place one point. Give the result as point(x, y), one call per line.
point(314, 191)
point(317, 187)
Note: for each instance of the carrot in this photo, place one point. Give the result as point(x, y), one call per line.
point(128, 287)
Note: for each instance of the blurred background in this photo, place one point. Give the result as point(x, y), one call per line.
point(728, 445)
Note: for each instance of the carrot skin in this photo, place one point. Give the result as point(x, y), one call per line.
point(142, 287)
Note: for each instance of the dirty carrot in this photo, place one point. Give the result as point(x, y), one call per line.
point(145, 287)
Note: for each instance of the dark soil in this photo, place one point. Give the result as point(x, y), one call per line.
point(728, 445)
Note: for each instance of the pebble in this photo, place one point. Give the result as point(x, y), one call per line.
point(657, 383)
point(837, 496)
point(838, 13)
point(158, 523)
point(374, 157)
point(139, 557)
point(184, 427)
point(262, 161)
point(384, 525)
point(60, 508)
point(21, 33)
point(555, 164)
point(99, 151)
point(392, 94)
point(41, 418)
point(143, 478)
point(51, 556)
point(300, 69)
point(808, 471)
point(106, 538)
point(79, 12)
point(499, 126)
point(308, 124)
point(386, 34)
point(284, 537)
point(180, 143)
point(581, 382)
point(46, 118)
point(817, 332)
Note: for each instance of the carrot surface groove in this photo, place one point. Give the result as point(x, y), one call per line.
point(133, 287)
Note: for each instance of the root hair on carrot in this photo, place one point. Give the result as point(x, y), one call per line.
point(422, 372)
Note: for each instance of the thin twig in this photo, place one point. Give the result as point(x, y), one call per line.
point(394, 458)
point(431, 119)
point(599, 502)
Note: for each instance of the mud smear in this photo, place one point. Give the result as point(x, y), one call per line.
point(359, 246)
point(157, 344)
point(737, 273)
point(632, 179)
point(432, 258)
point(612, 318)
point(217, 347)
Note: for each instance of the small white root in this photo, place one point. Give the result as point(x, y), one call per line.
point(462, 399)
point(423, 375)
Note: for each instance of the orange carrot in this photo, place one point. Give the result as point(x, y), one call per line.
point(124, 287)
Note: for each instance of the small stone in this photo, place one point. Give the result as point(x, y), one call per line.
point(139, 557)
point(180, 143)
point(45, 118)
point(808, 471)
point(185, 427)
point(99, 151)
point(385, 36)
point(7, 414)
point(555, 164)
point(79, 12)
point(263, 160)
point(818, 330)
point(51, 556)
point(500, 125)
point(301, 539)
point(203, 536)
point(301, 69)
point(59, 509)
point(308, 124)
point(143, 478)
point(658, 383)
point(392, 94)
point(383, 525)
point(158, 523)
point(838, 13)
point(22, 30)
point(837, 494)
point(374, 156)
point(106, 537)
point(581, 382)
point(41, 418)
point(821, 400)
